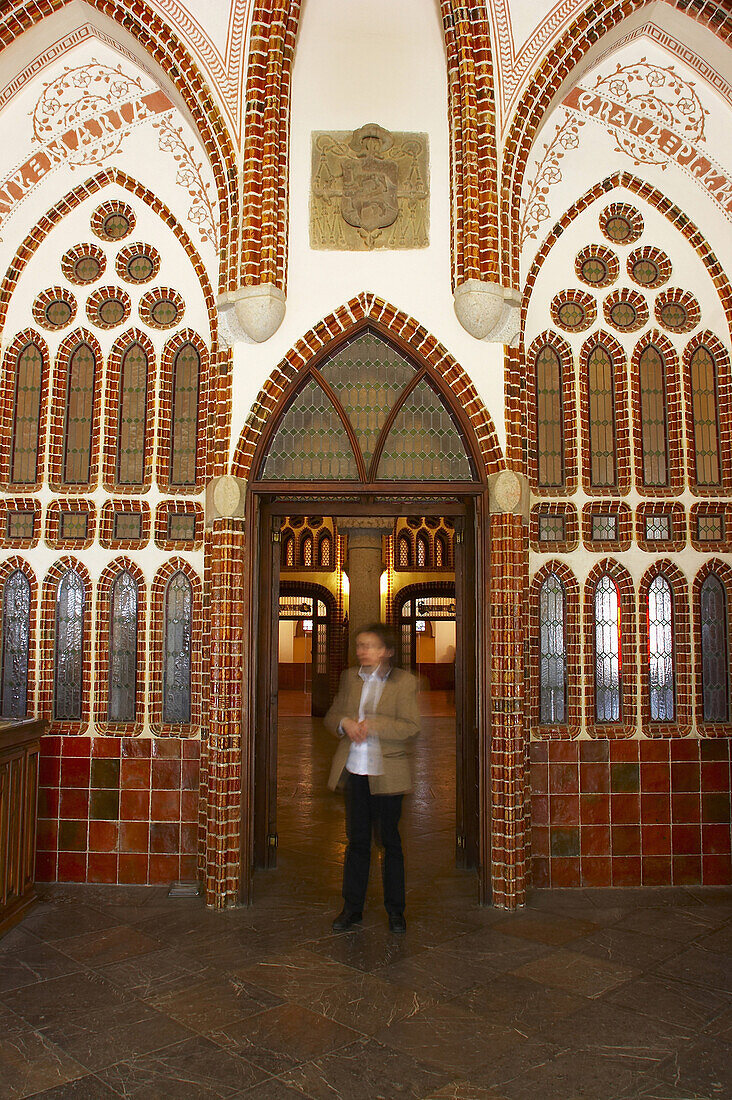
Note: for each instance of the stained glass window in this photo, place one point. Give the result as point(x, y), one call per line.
point(422, 551)
point(27, 415)
point(705, 412)
point(552, 652)
point(131, 423)
point(551, 527)
point(288, 550)
point(311, 442)
point(16, 645)
point(424, 442)
point(123, 649)
point(404, 552)
point(325, 550)
point(440, 552)
point(306, 550)
point(714, 649)
point(68, 680)
point(368, 375)
point(178, 616)
point(654, 434)
point(549, 418)
point(184, 432)
point(601, 390)
point(608, 704)
point(79, 419)
point(661, 650)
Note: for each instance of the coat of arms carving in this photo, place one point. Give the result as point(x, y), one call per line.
point(370, 189)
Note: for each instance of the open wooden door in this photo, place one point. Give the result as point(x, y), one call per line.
point(466, 693)
point(268, 636)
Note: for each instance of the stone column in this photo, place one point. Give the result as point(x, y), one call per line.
point(364, 567)
point(506, 785)
point(227, 757)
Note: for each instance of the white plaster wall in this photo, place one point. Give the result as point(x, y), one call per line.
point(357, 62)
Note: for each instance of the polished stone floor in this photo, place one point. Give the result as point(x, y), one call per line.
point(109, 991)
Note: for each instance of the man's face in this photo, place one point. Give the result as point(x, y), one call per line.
point(371, 651)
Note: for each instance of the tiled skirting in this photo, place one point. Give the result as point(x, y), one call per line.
point(118, 810)
point(631, 813)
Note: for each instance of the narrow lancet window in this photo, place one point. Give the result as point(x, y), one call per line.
point(549, 418)
point(552, 653)
point(608, 661)
point(714, 650)
point(178, 616)
point(705, 417)
point(16, 645)
point(601, 393)
point(132, 420)
point(27, 415)
point(661, 651)
point(79, 419)
point(123, 649)
point(654, 413)
point(184, 430)
point(68, 683)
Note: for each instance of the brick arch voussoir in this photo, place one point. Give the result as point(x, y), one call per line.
point(73, 199)
point(425, 346)
point(599, 19)
point(160, 41)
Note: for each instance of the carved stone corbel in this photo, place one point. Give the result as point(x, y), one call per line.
point(488, 311)
point(225, 498)
point(251, 314)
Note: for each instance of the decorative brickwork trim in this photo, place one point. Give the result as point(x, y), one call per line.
point(723, 571)
point(677, 517)
point(571, 528)
point(514, 388)
point(599, 19)
point(113, 380)
point(177, 508)
point(110, 508)
point(19, 504)
point(157, 646)
point(165, 411)
point(724, 413)
point(677, 217)
point(473, 158)
point(47, 662)
point(54, 537)
point(622, 432)
point(628, 651)
point(45, 299)
point(219, 412)
point(673, 416)
point(711, 508)
point(7, 408)
point(506, 780)
point(104, 595)
point(572, 642)
point(569, 415)
point(682, 651)
point(265, 197)
point(624, 525)
point(8, 567)
point(367, 309)
point(74, 198)
point(158, 38)
point(58, 412)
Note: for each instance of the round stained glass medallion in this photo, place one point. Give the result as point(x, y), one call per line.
point(113, 221)
point(138, 263)
point(649, 267)
point(571, 315)
point(139, 268)
point(83, 265)
point(116, 226)
point(623, 315)
point(112, 311)
point(677, 310)
point(164, 312)
point(58, 313)
point(621, 224)
point(594, 271)
point(108, 307)
point(597, 266)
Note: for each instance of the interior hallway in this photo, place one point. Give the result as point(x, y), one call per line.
point(604, 994)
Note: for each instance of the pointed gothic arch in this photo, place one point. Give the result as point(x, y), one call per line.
point(434, 369)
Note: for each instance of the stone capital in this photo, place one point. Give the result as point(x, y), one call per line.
point(225, 498)
point(488, 311)
point(251, 314)
point(509, 492)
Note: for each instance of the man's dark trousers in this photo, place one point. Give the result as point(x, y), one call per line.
point(364, 812)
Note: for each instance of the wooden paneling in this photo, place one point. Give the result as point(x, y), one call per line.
point(19, 752)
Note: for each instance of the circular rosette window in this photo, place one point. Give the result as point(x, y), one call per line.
point(161, 308)
point(625, 310)
point(108, 307)
point(54, 308)
point(597, 266)
point(649, 267)
point(84, 264)
point(138, 263)
point(574, 310)
point(677, 310)
point(113, 221)
point(621, 224)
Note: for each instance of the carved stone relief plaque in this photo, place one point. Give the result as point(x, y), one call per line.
point(370, 189)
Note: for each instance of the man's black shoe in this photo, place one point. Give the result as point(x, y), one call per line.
point(346, 920)
point(397, 923)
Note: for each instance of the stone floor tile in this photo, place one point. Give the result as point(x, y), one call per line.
point(546, 928)
point(28, 960)
point(211, 1003)
point(704, 1068)
point(29, 1061)
point(708, 968)
point(614, 1031)
point(579, 1075)
point(673, 1001)
point(282, 1037)
point(367, 949)
point(193, 1068)
point(110, 945)
point(60, 999)
point(576, 973)
point(366, 1003)
point(519, 1003)
point(153, 973)
point(89, 1087)
point(366, 1071)
point(619, 945)
point(296, 972)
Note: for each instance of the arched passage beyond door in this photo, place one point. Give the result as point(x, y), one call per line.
point(368, 427)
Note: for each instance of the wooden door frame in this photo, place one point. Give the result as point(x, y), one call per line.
point(262, 556)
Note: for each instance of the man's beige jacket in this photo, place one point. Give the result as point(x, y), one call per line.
point(396, 721)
